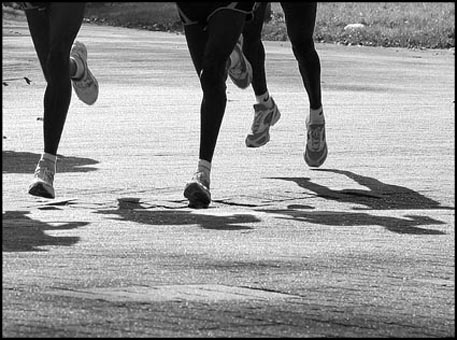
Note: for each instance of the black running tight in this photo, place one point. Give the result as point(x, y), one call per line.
point(53, 31)
point(300, 19)
point(210, 49)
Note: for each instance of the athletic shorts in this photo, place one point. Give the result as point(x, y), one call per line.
point(41, 6)
point(200, 12)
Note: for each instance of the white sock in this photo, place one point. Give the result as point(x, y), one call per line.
point(316, 116)
point(204, 166)
point(51, 158)
point(79, 68)
point(264, 99)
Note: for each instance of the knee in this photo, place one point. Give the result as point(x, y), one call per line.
point(303, 46)
point(212, 80)
point(57, 64)
point(305, 52)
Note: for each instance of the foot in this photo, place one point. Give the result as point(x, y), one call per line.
point(86, 87)
point(316, 146)
point(42, 184)
point(197, 191)
point(264, 118)
point(241, 73)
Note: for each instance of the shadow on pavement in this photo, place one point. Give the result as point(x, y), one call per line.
point(380, 196)
point(130, 209)
point(407, 225)
point(21, 233)
point(25, 162)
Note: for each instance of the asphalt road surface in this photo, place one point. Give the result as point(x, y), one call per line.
point(361, 247)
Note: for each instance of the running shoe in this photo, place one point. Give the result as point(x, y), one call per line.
point(42, 184)
point(197, 191)
point(316, 146)
point(241, 73)
point(264, 118)
point(86, 87)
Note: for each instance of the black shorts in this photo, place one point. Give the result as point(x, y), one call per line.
point(200, 12)
point(41, 6)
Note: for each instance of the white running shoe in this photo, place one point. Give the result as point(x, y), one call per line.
point(264, 118)
point(241, 73)
point(86, 87)
point(197, 191)
point(43, 181)
point(316, 146)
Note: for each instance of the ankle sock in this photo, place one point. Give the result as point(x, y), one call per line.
point(316, 116)
point(50, 158)
point(204, 166)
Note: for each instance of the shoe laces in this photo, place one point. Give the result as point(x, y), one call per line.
point(43, 173)
point(202, 178)
point(258, 118)
point(315, 134)
point(236, 71)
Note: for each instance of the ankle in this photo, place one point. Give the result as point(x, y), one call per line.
point(204, 166)
point(50, 160)
point(265, 99)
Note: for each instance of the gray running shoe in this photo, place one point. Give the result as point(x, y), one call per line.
point(264, 118)
point(241, 73)
point(197, 191)
point(86, 87)
point(316, 146)
point(42, 184)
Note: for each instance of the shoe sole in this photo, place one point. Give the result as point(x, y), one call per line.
point(197, 196)
point(245, 82)
point(261, 141)
point(87, 100)
point(92, 99)
point(40, 190)
point(258, 142)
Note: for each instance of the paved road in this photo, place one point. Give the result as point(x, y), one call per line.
point(363, 247)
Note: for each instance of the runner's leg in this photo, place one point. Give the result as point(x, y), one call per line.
point(266, 112)
point(254, 50)
point(53, 32)
point(210, 48)
point(300, 20)
point(222, 33)
point(53, 28)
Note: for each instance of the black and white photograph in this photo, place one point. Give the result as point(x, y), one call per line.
point(228, 169)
